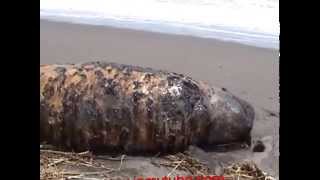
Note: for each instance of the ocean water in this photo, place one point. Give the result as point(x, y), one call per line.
point(251, 22)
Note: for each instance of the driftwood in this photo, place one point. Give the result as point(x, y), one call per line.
point(113, 107)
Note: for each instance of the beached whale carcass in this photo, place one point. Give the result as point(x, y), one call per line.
point(99, 105)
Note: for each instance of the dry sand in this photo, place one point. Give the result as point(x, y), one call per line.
point(249, 72)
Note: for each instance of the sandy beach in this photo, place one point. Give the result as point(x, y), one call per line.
point(249, 72)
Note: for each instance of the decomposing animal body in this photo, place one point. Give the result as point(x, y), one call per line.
point(115, 107)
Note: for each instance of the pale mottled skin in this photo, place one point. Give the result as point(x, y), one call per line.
point(117, 107)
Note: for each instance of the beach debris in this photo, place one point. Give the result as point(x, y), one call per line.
point(185, 162)
point(271, 113)
point(54, 165)
point(51, 164)
point(258, 146)
point(246, 170)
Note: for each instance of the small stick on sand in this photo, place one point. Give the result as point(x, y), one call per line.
point(57, 162)
point(122, 157)
point(175, 168)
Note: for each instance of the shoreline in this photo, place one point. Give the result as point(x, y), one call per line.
point(232, 20)
point(175, 31)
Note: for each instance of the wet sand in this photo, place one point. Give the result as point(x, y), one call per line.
point(249, 72)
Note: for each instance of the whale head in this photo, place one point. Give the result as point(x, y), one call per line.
point(231, 118)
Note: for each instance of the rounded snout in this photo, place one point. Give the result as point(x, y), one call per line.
point(231, 119)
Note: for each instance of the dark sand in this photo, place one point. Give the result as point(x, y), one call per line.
point(249, 72)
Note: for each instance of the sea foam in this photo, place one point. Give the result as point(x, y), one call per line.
point(251, 22)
